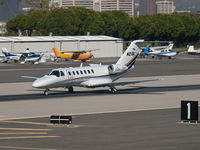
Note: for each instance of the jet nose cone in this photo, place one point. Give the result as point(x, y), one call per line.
point(36, 84)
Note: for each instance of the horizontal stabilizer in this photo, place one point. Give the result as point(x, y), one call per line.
point(29, 77)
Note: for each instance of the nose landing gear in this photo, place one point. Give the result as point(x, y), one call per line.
point(46, 92)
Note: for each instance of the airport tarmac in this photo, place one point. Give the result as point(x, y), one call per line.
point(141, 130)
point(141, 116)
point(21, 100)
point(181, 65)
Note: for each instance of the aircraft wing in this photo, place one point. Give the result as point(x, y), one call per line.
point(70, 51)
point(79, 51)
point(124, 83)
point(90, 50)
point(29, 77)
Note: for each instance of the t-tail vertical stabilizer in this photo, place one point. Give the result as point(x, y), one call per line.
point(129, 57)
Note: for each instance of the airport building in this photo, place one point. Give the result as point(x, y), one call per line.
point(98, 5)
point(108, 46)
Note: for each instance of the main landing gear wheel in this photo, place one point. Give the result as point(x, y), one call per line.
point(113, 90)
point(46, 92)
point(70, 89)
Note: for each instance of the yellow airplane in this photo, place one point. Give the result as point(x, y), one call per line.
point(76, 55)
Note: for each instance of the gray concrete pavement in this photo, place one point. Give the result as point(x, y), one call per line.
point(138, 117)
point(143, 68)
point(141, 130)
point(20, 100)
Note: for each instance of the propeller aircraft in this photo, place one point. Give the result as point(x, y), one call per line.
point(75, 55)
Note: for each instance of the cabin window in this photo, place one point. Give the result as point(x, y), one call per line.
point(55, 73)
point(62, 73)
point(92, 71)
point(69, 73)
point(85, 72)
point(88, 71)
point(77, 72)
point(81, 71)
point(73, 73)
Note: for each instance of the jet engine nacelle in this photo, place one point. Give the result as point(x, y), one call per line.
point(116, 68)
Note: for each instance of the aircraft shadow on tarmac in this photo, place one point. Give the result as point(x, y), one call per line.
point(128, 90)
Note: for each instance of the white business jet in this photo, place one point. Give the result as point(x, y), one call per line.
point(191, 50)
point(94, 75)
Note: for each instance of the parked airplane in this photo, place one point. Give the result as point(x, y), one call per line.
point(30, 57)
point(167, 52)
point(10, 57)
point(192, 51)
point(75, 55)
point(94, 75)
point(27, 56)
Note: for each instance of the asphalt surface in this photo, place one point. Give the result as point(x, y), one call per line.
point(154, 127)
point(152, 130)
point(181, 65)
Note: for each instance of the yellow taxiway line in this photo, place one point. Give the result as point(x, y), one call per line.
point(25, 122)
point(12, 133)
point(27, 137)
point(25, 129)
point(23, 148)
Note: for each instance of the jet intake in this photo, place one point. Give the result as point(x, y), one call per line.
point(116, 68)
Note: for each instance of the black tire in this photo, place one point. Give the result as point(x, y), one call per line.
point(70, 89)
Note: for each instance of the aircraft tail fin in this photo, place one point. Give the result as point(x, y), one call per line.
point(129, 57)
point(4, 50)
point(56, 52)
point(170, 46)
point(191, 49)
point(7, 54)
point(146, 49)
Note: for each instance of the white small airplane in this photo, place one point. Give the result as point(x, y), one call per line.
point(10, 57)
point(27, 56)
point(31, 57)
point(94, 75)
point(192, 51)
point(167, 52)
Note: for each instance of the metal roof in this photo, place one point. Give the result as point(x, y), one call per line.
point(57, 38)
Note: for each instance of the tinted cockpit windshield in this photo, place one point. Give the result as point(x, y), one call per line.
point(55, 73)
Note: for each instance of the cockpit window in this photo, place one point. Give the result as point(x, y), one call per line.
point(62, 73)
point(55, 73)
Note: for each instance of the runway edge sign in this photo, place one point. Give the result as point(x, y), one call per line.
point(189, 110)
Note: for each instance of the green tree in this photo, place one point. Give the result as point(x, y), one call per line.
point(72, 21)
point(16, 24)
